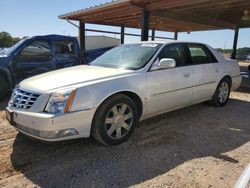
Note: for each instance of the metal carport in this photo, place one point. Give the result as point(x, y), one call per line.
point(165, 15)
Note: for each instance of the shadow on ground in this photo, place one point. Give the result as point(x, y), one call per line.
point(3, 104)
point(157, 146)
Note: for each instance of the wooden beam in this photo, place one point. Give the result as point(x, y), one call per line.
point(124, 11)
point(125, 18)
point(212, 5)
point(163, 4)
point(198, 19)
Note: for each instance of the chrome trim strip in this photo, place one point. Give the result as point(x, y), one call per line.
point(183, 88)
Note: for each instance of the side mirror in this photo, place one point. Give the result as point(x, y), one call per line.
point(164, 63)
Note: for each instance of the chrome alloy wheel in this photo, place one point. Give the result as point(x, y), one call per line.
point(118, 121)
point(223, 92)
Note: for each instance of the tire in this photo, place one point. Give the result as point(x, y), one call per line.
point(3, 88)
point(222, 93)
point(115, 120)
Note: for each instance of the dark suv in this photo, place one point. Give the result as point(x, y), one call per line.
point(35, 55)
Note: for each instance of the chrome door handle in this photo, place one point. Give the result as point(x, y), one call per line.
point(186, 75)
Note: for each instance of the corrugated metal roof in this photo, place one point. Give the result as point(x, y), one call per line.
point(167, 15)
point(102, 5)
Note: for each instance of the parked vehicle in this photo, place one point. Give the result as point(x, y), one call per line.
point(128, 83)
point(244, 180)
point(243, 57)
point(39, 54)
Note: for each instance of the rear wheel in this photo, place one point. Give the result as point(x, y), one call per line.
point(222, 93)
point(115, 120)
point(3, 88)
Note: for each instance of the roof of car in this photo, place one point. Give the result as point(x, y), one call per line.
point(51, 36)
point(168, 42)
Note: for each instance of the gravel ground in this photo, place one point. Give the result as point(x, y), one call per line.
point(198, 146)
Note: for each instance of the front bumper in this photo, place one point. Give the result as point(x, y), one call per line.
point(49, 127)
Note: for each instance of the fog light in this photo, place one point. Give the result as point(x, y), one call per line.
point(58, 133)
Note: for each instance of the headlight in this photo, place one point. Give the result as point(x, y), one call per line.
point(60, 102)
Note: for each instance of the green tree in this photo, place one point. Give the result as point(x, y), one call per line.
point(5, 39)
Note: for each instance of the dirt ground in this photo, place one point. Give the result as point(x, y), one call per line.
point(198, 146)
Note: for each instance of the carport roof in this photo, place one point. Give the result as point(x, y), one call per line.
point(167, 15)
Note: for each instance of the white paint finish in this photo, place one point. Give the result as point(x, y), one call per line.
point(205, 78)
point(48, 122)
point(169, 88)
point(160, 91)
point(100, 91)
point(46, 82)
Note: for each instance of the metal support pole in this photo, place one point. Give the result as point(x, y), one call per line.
point(144, 25)
point(82, 35)
point(236, 33)
point(122, 34)
point(153, 34)
point(176, 35)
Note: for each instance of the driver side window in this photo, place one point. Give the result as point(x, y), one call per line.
point(37, 51)
point(176, 52)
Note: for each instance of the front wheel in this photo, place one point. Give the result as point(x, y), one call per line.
point(115, 120)
point(222, 93)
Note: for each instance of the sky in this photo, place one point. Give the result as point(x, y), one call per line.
point(28, 18)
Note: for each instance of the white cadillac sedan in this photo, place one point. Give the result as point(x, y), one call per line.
point(129, 83)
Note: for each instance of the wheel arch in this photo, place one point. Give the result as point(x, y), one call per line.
point(132, 95)
point(6, 75)
point(229, 78)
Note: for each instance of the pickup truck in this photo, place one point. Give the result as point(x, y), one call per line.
point(39, 54)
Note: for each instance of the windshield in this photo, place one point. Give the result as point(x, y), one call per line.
point(9, 50)
point(128, 56)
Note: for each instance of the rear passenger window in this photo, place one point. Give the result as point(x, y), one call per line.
point(64, 47)
point(200, 54)
point(176, 52)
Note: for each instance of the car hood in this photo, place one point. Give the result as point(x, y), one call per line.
point(68, 77)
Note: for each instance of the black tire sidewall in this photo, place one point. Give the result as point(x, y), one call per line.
point(101, 114)
point(3, 88)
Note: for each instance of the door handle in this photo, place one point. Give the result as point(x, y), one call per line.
point(186, 75)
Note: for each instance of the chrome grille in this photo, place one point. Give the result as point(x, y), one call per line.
point(22, 99)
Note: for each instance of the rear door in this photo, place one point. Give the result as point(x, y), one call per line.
point(205, 73)
point(35, 58)
point(66, 54)
point(170, 88)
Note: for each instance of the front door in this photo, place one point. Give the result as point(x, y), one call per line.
point(170, 88)
point(65, 53)
point(33, 59)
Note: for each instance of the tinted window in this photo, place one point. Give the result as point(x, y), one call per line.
point(200, 54)
point(64, 47)
point(37, 51)
point(176, 52)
